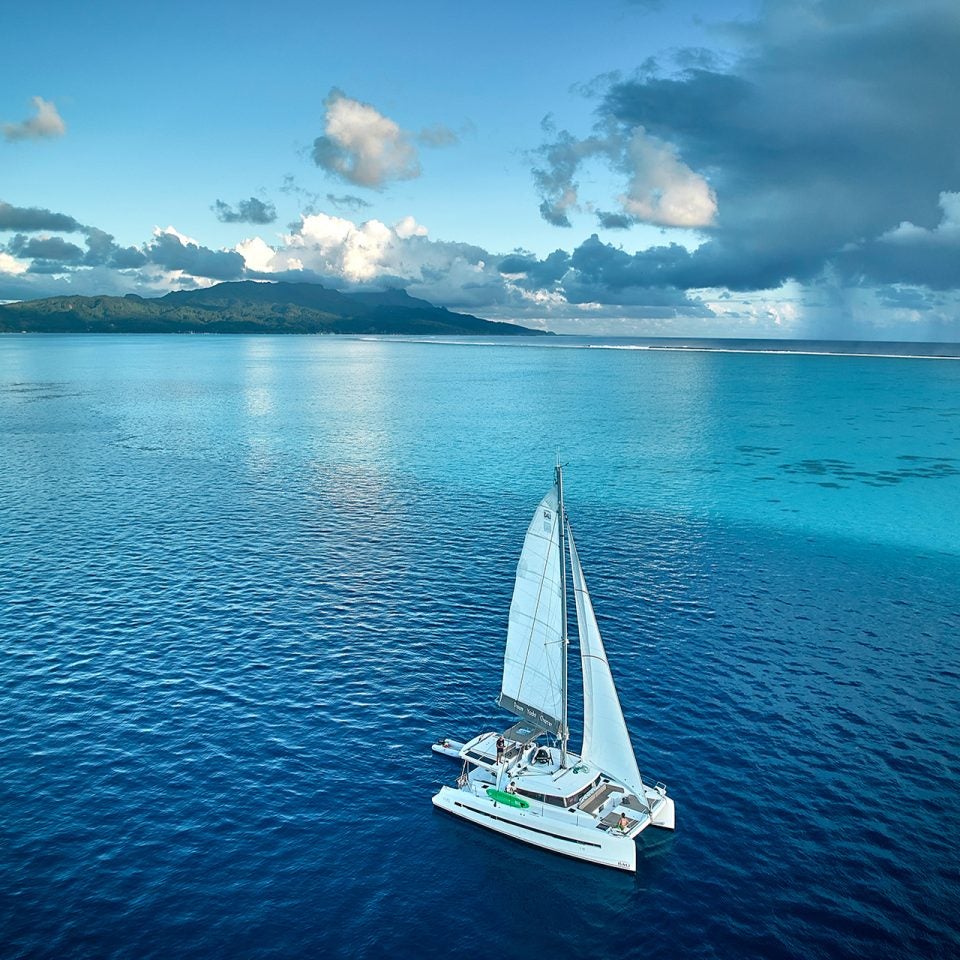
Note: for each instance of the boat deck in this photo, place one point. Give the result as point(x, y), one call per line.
point(611, 822)
point(598, 798)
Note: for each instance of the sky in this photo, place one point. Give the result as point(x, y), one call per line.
point(625, 167)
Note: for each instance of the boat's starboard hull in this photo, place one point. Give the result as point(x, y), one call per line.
point(581, 842)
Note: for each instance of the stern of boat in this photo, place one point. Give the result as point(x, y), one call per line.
point(445, 799)
point(663, 812)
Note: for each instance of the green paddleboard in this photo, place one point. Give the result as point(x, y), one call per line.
point(510, 799)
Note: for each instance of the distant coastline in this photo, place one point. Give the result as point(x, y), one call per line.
point(250, 307)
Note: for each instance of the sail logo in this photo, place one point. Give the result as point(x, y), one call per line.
point(547, 521)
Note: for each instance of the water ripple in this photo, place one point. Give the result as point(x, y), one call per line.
point(229, 641)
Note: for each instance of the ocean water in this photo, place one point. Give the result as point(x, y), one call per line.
point(246, 581)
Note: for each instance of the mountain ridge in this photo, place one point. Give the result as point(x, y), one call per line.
point(248, 306)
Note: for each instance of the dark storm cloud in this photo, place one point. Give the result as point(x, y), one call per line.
point(101, 250)
point(913, 254)
point(56, 255)
point(614, 221)
point(167, 251)
point(837, 124)
point(127, 258)
point(598, 273)
point(44, 248)
point(44, 267)
point(555, 174)
point(35, 218)
point(607, 271)
point(246, 211)
point(909, 298)
point(100, 246)
point(555, 214)
point(538, 274)
point(931, 265)
point(601, 265)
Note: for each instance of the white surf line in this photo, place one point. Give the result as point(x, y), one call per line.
point(553, 345)
point(789, 353)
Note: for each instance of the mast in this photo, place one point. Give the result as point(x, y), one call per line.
point(565, 639)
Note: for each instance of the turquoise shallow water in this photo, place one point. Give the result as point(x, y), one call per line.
point(247, 581)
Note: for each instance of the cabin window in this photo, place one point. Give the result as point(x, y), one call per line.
point(580, 794)
point(571, 801)
point(543, 798)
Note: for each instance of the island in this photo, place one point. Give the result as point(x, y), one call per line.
point(250, 306)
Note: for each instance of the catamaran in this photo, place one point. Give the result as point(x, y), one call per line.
point(524, 781)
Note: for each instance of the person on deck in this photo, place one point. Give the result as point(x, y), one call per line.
point(623, 823)
point(501, 746)
point(511, 787)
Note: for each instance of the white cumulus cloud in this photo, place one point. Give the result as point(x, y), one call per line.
point(408, 227)
point(46, 123)
point(11, 265)
point(947, 231)
point(363, 146)
point(257, 254)
point(172, 231)
point(372, 252)
point(663, 190)
point(332, 245)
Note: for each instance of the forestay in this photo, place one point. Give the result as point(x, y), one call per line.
point(606, 742)
point(533, 660)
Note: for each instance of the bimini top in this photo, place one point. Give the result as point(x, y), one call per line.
point(523, 732)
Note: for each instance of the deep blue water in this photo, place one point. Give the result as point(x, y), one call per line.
point(245, 582)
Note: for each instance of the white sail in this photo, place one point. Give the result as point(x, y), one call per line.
point(606, 741)
point(533, 660)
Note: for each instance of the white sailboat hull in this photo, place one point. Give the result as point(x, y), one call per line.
point(571, 839)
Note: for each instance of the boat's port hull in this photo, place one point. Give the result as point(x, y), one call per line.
point(550, 833)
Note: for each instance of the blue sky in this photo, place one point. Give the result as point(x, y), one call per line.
point(738, 169)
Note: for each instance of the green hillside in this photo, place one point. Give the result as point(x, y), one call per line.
point(248, 307)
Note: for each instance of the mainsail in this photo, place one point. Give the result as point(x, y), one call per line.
point(606, 742)
point(533, 660)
